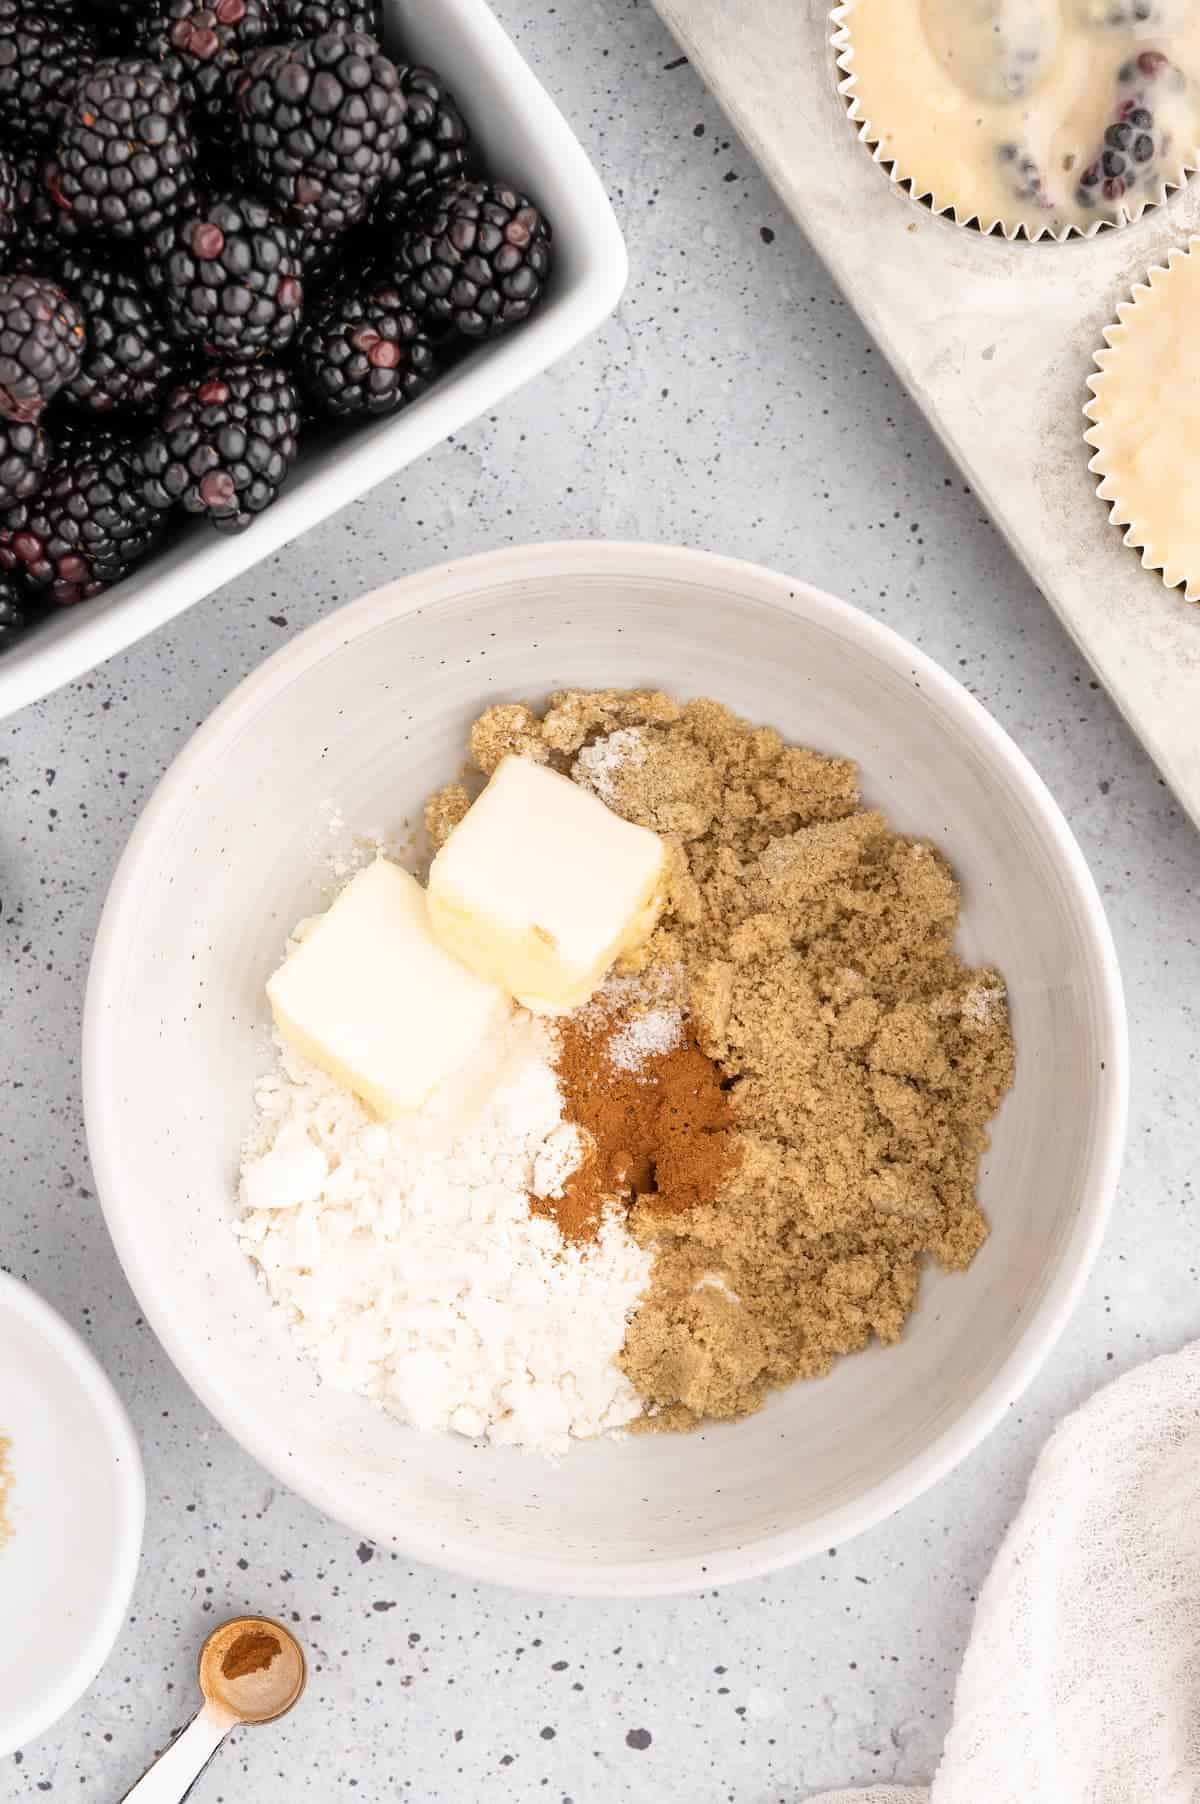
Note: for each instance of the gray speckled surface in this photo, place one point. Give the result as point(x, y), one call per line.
point(733, 403)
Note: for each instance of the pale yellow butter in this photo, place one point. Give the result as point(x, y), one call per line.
point(371, 997)
point(541, 888)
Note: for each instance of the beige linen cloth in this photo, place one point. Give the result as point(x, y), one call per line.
point(1081, 1682)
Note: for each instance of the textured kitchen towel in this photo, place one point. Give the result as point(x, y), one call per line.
point(1081, 1682)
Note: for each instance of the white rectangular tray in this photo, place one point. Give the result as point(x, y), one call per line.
point(994, 340)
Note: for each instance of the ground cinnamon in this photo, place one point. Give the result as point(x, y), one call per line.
point(657, 1125)
point(251, 1652)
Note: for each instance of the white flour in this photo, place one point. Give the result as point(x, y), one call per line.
point(598, 765)
point(643, 1037)
point(409, 1267)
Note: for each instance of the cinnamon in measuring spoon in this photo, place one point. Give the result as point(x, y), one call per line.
point(251, 1652)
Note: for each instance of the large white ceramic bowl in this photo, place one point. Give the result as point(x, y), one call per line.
point(358, 719)
point(525, 140)
point(75, 1508)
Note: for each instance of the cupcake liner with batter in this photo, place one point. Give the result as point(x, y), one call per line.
point(1032, 198)
point(1146, 421)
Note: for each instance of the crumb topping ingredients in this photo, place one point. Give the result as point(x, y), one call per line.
point(844, 1061)
point(715, 1174)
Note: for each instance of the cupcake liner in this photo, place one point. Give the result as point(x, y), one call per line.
point(1122, 410)
point(909, 182)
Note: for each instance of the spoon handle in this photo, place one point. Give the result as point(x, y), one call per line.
point(171, 1778)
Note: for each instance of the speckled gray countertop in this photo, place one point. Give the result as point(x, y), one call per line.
point(732, 403)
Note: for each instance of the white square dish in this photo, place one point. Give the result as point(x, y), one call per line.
point(525, 140)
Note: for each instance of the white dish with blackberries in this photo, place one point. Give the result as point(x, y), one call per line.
point(255, 256)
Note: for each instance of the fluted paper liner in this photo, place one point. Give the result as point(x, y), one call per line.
point(1015, 230)
point(1139, 320)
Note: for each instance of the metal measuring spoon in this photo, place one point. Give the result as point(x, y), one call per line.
point(251, 1671)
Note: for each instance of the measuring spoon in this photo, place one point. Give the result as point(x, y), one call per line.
point(251, 1671)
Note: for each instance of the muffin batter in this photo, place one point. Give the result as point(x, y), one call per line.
point(1042, 114)
point(1147, 398)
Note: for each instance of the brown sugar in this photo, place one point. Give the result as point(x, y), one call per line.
point(443, 811)
point(857, 1059)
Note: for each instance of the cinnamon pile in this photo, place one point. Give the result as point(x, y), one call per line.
point(251, 1652)
point(655, 1121)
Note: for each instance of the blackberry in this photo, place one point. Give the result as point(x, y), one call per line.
point(14, 614)
point(87, 528)
point(476, 261)
point(320, 122)
point(309, 18)
point(434, 153)
point(126, 154)
point(1121, 15)
point(231, 278)
point(1133, 144)
point(24, 459)
point(127, 363)
point(1025, 177)
point(365, 354)
point(1150, 65)
point(224, 445)
point(41, 344)
point(44, 50)
point(200, 45)
point(1128, 142)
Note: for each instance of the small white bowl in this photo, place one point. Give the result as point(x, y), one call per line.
point(76, 1509)
point(361, 717)
point(525, 140)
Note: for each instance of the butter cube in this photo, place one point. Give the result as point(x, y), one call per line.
point(540, 888)
point(371, 997)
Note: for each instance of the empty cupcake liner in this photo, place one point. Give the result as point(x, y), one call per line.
point(909, 181)
point(1125, 367)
